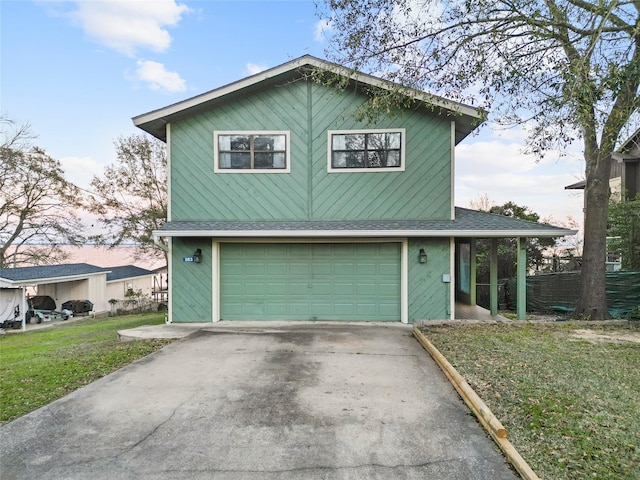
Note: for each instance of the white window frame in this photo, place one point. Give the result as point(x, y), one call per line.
point(401, 168)
point(216, 151)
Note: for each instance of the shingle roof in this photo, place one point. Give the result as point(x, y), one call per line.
point(48, 272)
point(127, 271)
point(468, 223)
point(43, 272)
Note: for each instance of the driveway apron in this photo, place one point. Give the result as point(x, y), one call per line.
point(308, 401)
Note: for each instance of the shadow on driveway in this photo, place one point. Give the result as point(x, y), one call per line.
point(302, 401)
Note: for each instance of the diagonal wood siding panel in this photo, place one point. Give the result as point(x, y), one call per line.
point(191, 283)
point(422, 191)
point(428, 294)
point(199, 194)
point(309, 192)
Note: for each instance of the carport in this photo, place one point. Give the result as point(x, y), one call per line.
point(61, 282)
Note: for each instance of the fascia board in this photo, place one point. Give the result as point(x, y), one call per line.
point(364, 233)
point(68, 278)
point(213, 94)
point(131, 278)
point(289, 66)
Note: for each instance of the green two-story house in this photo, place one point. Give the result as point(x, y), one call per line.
point(284, 206)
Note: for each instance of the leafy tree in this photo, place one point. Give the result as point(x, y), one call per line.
point(38, 204)
point(624, 227)
point(507, 248)
point(130, 200)
point(569, 69)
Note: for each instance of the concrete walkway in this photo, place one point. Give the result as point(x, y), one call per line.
point(299, 401)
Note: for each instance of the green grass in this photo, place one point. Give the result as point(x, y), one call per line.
point(40, 366)
point(570, 407)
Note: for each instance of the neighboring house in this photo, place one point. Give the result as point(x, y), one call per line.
point(624, 176)
point(283, 206)
point(128, 279)
point(624, 184)
point(76, 281)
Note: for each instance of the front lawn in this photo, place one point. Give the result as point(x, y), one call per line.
point(40, 366)
point(568, 394)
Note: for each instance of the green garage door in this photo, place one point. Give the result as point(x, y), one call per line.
point(310, 281)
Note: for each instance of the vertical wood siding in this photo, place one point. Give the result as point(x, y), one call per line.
point(309, 192)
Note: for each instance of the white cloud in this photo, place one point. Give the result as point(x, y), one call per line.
point(80, 170)
point(498, 167)
point(159, 78)
point(321, 30)
point(129, 25)
point(254, 68)
point(483, 156)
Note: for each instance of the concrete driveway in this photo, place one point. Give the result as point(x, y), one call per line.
point(300, 401)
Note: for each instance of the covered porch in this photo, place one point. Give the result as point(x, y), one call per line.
point(466, 307)
point(476, 312)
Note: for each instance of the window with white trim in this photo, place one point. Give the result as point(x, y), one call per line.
point(251, 152)
point(366, 150)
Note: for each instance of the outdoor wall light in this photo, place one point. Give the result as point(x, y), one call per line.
point(422, 256)
point(197, 256)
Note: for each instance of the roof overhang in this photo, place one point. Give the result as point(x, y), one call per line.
point(467, 224)
point(632, 143)
point(577, 186)
point(154, 122)
point(266, 233)
point(625, 157)
point(9, 283)
point(135, 277)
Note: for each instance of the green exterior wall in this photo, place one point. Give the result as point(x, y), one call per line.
point(429, 296)
point(191, 283)
point(308, 110)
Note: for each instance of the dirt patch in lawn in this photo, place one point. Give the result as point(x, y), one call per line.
point(611, 336)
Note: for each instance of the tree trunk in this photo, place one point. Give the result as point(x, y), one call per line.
point(592, 303)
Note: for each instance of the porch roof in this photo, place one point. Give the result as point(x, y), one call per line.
point(467, 223)
point(49, 273)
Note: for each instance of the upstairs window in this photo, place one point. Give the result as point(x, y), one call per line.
point(366, 150)
point(251, 152)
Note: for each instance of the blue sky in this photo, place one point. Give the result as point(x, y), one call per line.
point(77, 71)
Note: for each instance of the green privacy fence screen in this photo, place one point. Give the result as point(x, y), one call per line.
point(558, 292)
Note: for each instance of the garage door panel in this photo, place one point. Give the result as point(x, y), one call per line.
point(275, 308)
point(386, 269)
point(344, 309)
point(279, 288)
point(321, 268)
point(321, 308)
point(365, 310)
point(320, 289)
point(388, 309)
point(254, 268)
point(299, 268)
point(343, 289)
point(310, 281)
point(254, 308)
point(301, 289)
point(300, 310)
point(343, 268)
